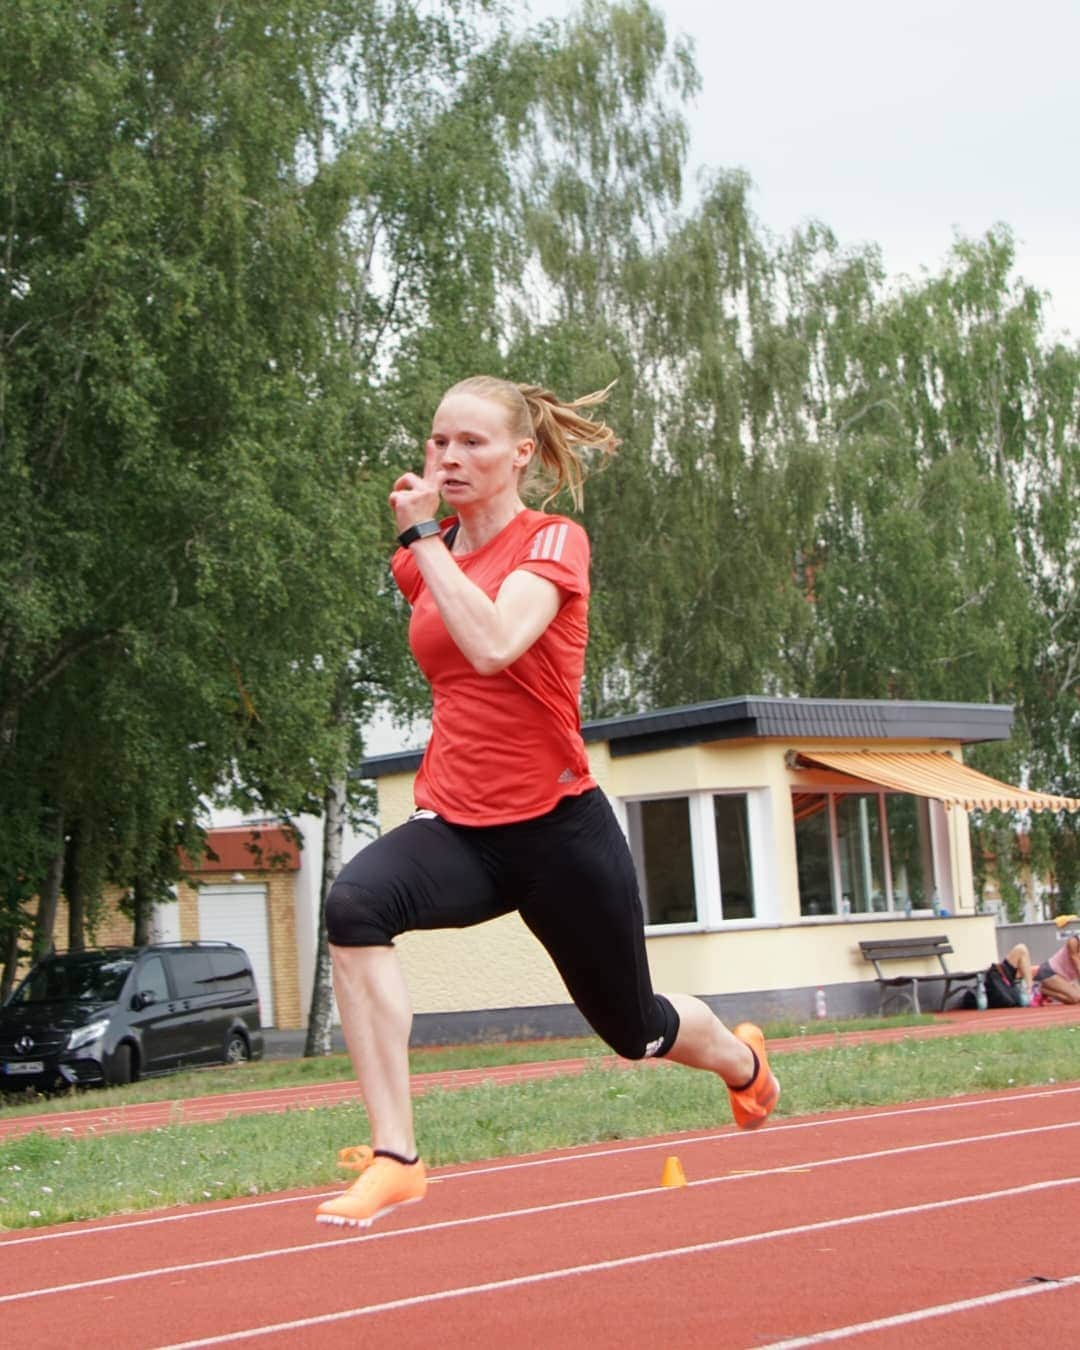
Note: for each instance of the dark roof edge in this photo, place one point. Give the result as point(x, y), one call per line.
point(760, 717)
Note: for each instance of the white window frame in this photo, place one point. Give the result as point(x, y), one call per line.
point(708, 899)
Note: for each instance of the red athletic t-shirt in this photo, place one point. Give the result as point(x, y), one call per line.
point(508, 746)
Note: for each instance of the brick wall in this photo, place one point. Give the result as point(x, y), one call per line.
point(284, 957)
point(113, 929)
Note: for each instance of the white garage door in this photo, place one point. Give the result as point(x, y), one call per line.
point(238, 914)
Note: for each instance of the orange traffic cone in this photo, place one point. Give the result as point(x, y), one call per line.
point(673, 1174)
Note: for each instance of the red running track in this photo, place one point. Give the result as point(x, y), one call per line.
point(937, 1224)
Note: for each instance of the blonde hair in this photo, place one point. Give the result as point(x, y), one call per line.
point(564, 438)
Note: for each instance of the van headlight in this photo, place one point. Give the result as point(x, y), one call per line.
point(93, 1031)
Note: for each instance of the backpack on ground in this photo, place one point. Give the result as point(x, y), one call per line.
point(1000, 990)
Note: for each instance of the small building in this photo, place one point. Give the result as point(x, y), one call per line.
point(770, 836)
point(247, 889)
point(250, 887)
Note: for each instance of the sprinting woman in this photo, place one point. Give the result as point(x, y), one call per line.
point(508, 816)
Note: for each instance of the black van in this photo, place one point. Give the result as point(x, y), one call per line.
point(119, 1013)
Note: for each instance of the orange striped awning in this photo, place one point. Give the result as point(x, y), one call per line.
point(933, 773)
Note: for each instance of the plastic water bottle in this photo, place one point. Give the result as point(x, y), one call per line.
point(1023, 994)
point(821, 1007)
point(980, 995)
point(907, 907)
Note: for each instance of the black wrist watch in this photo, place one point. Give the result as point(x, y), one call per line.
point(423, 529)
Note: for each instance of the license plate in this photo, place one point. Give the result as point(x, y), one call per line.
point(25, 1066)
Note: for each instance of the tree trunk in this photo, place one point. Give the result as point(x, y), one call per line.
point(43, 940)
point(75, 888)
point(10, 957)
point(320, 1018)
point(142, 908)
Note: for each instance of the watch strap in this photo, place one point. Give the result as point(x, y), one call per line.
point(423, 529)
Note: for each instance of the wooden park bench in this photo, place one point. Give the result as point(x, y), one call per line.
point(903, 990)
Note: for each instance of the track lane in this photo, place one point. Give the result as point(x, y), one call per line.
point(781, 1275)
point(227, 1229)
point(827, 1182)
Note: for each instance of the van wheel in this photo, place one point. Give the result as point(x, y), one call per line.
point(120, 1066)
point(236, 1048)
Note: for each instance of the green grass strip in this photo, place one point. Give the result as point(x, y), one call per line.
point(268, 1075)
point(46, 1180)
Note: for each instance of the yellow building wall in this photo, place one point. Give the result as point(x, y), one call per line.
point(815, 952)
point(501, 965)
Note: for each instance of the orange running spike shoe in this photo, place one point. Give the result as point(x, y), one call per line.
point(383, 1184)
point(752, 1105)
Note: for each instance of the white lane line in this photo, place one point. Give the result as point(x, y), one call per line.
point(923, 1314)
point(616, 1263)
point(468, 1221)
point(724, 1135)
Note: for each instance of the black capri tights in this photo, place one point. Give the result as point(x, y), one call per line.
point(570, 876)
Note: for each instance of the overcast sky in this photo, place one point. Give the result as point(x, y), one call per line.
point(898, 123)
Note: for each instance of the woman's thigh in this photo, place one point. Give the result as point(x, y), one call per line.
point(425, 873)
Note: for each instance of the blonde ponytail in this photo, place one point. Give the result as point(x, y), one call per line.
point(567, 443)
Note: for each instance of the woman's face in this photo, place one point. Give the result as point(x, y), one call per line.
point(477, 458)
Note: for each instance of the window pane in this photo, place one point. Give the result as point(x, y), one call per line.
point(733, 857)
point(90, 977)
point(191, 973)
point(813, 855)
point(231, 971)
point(660, 842)
point(862, 871)
point(911, 855)
point(152, 979)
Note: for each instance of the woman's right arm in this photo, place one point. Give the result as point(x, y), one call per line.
point(491, 634)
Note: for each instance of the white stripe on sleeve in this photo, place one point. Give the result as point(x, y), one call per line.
point(548, 544)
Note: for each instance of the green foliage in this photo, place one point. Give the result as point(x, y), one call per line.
point(245, 251)
point(246, 248)
point(837, 487)
point(176, 457)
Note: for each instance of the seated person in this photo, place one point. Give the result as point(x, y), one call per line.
point(1059, 978)
point(1016, 964)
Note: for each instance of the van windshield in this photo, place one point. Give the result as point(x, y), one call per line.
point(78, 978)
